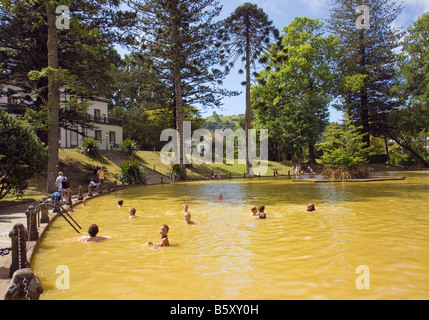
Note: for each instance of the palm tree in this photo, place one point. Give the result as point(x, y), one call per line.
point(247, 33)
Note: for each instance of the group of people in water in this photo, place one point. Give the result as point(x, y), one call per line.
point(258, 212)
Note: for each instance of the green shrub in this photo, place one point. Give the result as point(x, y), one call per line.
point(132, 171)
point(176, 171)
point(129, 147)
point(22, 155)
point(90, 147)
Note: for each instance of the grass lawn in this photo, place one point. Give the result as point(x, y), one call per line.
point(72, 163)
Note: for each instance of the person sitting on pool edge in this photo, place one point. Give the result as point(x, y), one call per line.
point(164, 239)
point(93, 231)
point(311, 207)
point(261, 210)
point(188, 218)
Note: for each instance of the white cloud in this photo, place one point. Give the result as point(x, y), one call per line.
point(422, 5)
point(315, 5)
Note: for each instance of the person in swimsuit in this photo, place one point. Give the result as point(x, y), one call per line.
point(311, 207)
point(254, 211)
point(93, 231)
point(261, 210)
point(164, 239)
point(188, 218)
point(132, 213)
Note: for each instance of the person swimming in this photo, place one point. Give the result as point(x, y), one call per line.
point(164, 238)
point(132, 213)
point(254, 211)
point(261, 210)
point(93, 231)
point(188, 218)
point(311, 207)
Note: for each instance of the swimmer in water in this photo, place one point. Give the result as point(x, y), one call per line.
point(186, 208)
point(261, 210)
point(132, 213)
point(311, 207)
point(93, 231)
point(120, 203)
point(188, 218)
point(164, 239)
point(254, 211)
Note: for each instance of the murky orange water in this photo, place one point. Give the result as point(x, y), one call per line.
point(230, 255)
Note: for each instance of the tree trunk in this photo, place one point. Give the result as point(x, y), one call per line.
point(386, 149)
point(364, 111)
point(248, 125)
point(53, 102)
point(416, 154)
point(177, 76)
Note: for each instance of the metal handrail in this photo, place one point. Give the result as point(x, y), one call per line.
point(55, 206)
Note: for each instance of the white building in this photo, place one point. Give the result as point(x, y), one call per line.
point(106, 130)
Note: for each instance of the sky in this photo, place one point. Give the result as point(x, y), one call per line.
point(282, 12)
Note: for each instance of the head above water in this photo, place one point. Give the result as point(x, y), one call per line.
point(311, 207)
point(93, 230)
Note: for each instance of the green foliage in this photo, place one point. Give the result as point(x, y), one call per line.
point(22, 156)
point(366, 66)
point(293, 94)
point(90, 147)
point(129, 147)
point(132, 172)
point(176, 171)
point(343, 147)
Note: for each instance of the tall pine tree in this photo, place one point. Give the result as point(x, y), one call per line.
point(179, 36)
point(367, 62)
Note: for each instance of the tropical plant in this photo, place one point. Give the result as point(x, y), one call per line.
point(132, 172)
point(176, 171)
point(90, 147)
point(129, 147)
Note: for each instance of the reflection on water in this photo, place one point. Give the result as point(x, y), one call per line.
point(231, 255)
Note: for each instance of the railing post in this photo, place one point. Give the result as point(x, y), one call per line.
point(80, 193)
point(19, 236)
point(44, 213)
point(33, 234)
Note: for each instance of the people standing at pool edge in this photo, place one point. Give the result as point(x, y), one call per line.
point(59, 183)
point(164, 239)
point(100, 175)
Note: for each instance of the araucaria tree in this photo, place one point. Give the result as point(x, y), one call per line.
point(180, 39)
point(247, 33)
point(367, 62)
